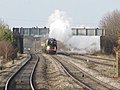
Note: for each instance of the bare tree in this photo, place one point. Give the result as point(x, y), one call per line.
point(3, 25)
point(6, 49)
point(6, 41)
point(111, 24)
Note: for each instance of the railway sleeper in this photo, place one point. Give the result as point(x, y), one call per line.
point(22, 87)
point(20, 81)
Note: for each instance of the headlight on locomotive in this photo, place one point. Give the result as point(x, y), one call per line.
point(48, 47)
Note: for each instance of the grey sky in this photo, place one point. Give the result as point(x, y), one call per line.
point(28, 13)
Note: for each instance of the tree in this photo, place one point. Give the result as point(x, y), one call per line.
point(111, 24)
point(7, 49)
point(7, 43)
point(3, 25)
point(5, 35)
point(5, 32)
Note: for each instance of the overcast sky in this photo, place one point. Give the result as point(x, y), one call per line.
point(29, 13)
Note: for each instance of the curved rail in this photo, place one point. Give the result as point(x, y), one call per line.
point(85, 86)
point(31, 76)
point(20, 69)
point(94, 80)
point(10, 78)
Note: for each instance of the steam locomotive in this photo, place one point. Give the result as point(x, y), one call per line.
point(51, 46)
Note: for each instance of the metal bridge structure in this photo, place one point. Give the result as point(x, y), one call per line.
point(29, 38)
point(32, 38)
point(82, 31)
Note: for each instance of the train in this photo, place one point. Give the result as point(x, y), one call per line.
point(51, 46)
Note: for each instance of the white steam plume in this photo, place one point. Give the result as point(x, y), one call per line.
point(59, 25)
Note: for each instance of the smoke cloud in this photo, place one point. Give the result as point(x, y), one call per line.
point(59, 25)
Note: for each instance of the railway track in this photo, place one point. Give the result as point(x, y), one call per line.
point(22, 79)
point(81, 76)
point(101, 61)
point(101, 58)
point(82, 85)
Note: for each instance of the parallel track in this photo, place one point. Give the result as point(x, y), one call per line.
point(90, 59)
point(100, 58)
point(22, 79)
point(85, 86)
point(81, 76)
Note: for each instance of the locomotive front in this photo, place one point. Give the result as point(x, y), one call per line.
point(51, 46)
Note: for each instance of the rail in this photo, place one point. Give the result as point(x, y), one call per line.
point(28, 61)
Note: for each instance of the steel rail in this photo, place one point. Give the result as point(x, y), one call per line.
point(90, 60)
point(10, 78)
point(109, 59)
point(95, 79)
point(31, 74)
point(73, 78)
